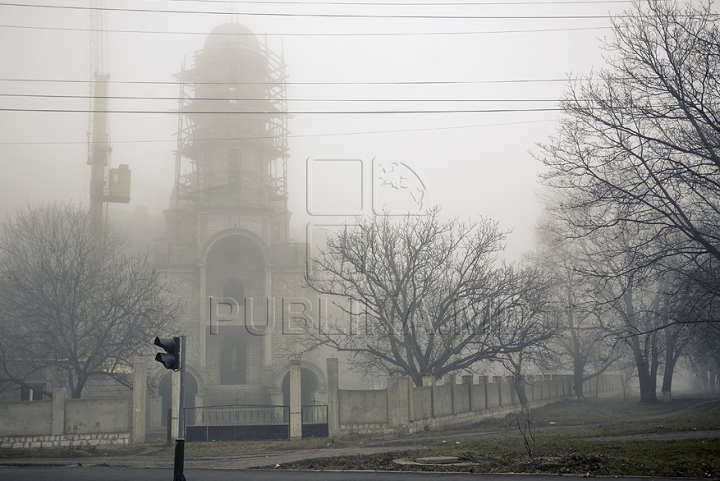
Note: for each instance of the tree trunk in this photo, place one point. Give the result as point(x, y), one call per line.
point(624, 388)
point(76, 392)
point(520, 390)
point(670, 344)
point(578, 370)
point(647, 383)
point(654, 365)
point(667, 383)
point(645, 356)
point(672, 354)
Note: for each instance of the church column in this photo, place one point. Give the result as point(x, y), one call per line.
point(204, 320)
point(295, 400)
point(267, 355)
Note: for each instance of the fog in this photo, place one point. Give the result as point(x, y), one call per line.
point(473, 163)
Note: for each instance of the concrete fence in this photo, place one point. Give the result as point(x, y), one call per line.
point(403, 407)
point(63, 422)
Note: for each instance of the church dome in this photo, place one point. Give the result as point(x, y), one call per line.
point(232, 34)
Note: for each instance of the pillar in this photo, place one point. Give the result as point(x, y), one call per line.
point(429, 381)
point(484, 381)
point(139, 398)
point(295, 401)
point(58, 412)
point(333, 393)
point(513, 393)
point(270, 317)
point(399, 396)
point(468, 381)
point(498, 380)
point(451, 380)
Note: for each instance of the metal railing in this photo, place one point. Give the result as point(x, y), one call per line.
point(315, 413)
point(237, 415)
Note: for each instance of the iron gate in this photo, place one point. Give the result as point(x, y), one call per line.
point(250, 422)
point(315, 420)
point(237, 423)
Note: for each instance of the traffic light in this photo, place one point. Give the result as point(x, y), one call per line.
point(171, 345)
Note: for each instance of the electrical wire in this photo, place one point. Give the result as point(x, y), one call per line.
point(315, 34)
point(334, 134)
point(409, 82)
point(320, 15)
point(218, 99)
point(297, 112)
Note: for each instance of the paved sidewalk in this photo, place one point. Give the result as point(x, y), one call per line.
point(239, 461)
point(150, 459)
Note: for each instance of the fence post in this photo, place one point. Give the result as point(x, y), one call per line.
point(398, 395)
point(58, 412)
point(295, 401)
point(513, 394)
point(429, 381)
point(468, 381)
point(139, 392)
point(333, 397)
point(498, 381)
point(452, 379)
point(485, 390)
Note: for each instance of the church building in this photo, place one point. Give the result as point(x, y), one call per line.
point(227, 230)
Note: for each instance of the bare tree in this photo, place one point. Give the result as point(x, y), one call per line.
point(641, 138)
point(525, 331)
point(426, 291)
point(637, 157)
point(582, 345)
point(628, 296)
point(73, 307)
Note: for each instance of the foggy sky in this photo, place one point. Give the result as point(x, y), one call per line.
point(474, 163)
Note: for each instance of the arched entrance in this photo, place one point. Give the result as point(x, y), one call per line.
point(309, 387)
point(235, 268)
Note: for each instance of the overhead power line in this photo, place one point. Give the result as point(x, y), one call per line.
point(296, 112)
point(317, 15)
point(316, 34)
point(402, 82)
point(332, 134)
point(221, 99)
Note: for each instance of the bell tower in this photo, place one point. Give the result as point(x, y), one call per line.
point(227, 224)
point(232, 127)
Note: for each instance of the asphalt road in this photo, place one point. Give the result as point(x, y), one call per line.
point(98, 473)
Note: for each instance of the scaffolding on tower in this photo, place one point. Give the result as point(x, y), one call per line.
point(273, 132)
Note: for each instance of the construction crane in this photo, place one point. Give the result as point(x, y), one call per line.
point(112, 186)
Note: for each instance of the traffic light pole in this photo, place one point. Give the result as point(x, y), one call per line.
point(179, 464)
point(174, 358)
point(181, 413)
